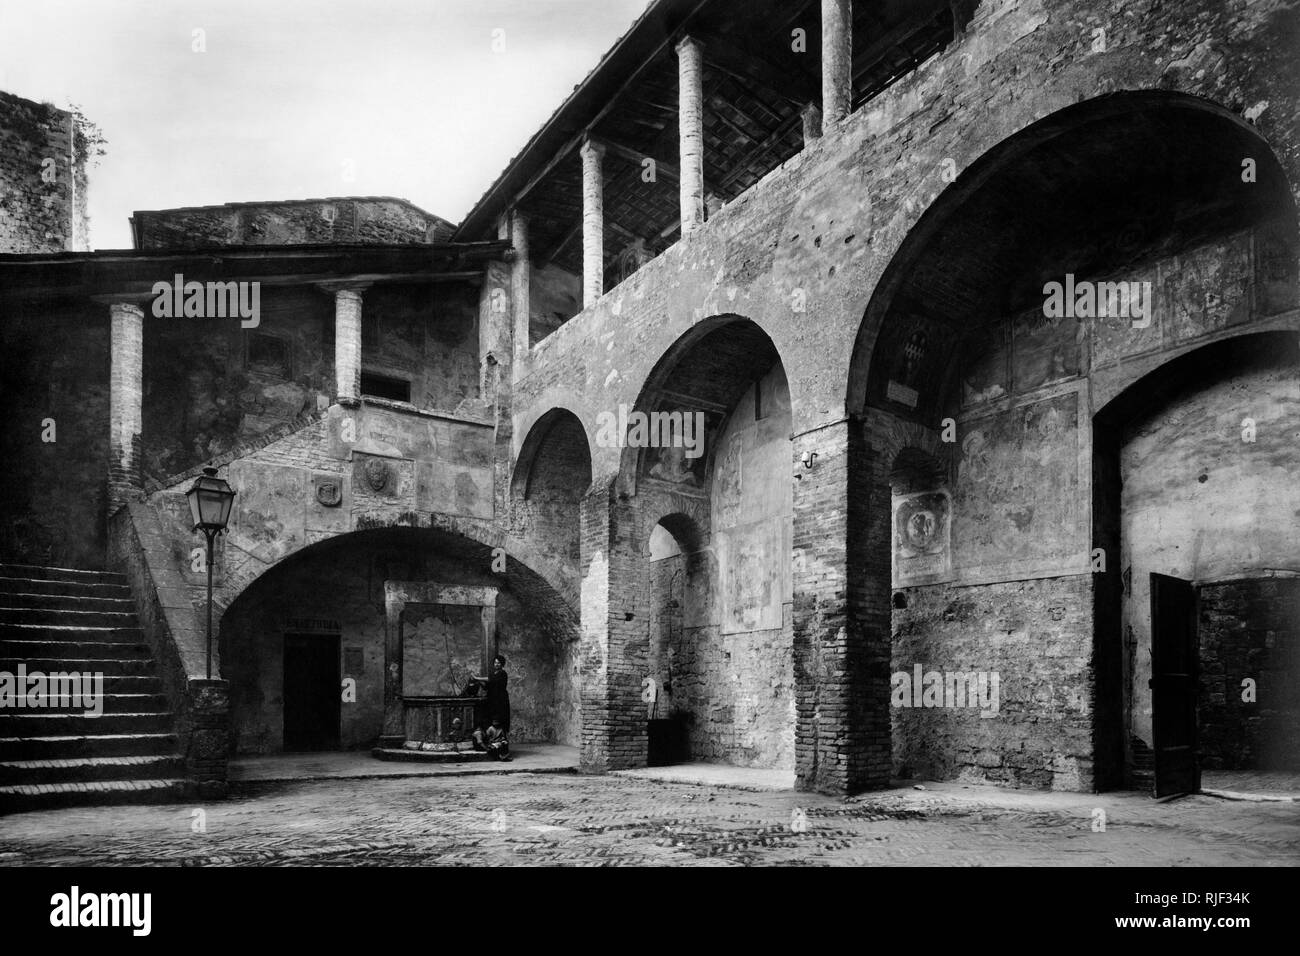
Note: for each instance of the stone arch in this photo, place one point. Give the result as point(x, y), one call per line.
point(722, 338)
point(551, 476)
point(337, 583)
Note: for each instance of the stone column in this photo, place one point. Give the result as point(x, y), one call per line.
point(837, 60)
point(126, 391)
point(520, 270)
point(593, 223)
point(690, 118)
point(347, 344)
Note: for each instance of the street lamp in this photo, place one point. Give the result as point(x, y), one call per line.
point(210, 500)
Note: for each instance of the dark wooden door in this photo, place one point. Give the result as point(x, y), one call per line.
point(312, 692)
point(1173, 685)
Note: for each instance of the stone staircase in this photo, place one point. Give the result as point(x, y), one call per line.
point(56, 620)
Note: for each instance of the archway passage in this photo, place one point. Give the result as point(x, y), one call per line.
point(552, 475)
point(1202, 457)
point(1088, 248)
point(319, 616)
point(717, 519)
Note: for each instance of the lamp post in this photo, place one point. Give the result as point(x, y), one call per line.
point(210, 500)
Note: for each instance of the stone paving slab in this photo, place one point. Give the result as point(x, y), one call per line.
point(574, 820)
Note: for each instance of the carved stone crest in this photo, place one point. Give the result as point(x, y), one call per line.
point(376, 472)
point(329, 491)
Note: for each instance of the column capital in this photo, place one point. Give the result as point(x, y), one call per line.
point(687, 43)
point(126, 307)
point(137, 299)
point(592, 147)
point(343, 287)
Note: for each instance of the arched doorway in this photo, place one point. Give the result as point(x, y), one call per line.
point(1090, 247)
point(716, 524)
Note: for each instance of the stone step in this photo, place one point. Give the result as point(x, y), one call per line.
point(56, 632)
point(70, 649)
point(67, 602)
point(86, 769)
point(64, 617)
point(42, 722)
point(112, 703)
point(118, 667)
point(36, 572)
point(46, 796)
point(63, 588)
point(55, 747)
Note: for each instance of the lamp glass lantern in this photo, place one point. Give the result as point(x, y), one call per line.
point(210, 500)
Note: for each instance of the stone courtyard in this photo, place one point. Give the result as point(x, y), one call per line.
point(564, 819)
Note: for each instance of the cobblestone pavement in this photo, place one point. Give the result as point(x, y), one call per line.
point(618, 821)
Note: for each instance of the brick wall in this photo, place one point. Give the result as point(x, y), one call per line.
point(1250, 629)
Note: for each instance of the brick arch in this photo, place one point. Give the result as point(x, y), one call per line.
point(670, 364)
point(537, 428)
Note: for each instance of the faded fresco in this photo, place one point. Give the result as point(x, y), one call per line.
point(922, 538)
point(1005, 520)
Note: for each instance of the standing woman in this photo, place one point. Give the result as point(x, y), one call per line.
point(498, 698)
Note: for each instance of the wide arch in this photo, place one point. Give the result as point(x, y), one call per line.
point(336, 586)
point(1239, 139)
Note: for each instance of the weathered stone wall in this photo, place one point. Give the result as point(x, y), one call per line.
point(1037, 637)
point(42, 178)
point(367, 219)
point(427, 335)
point(1250, 629)
point(53, 510)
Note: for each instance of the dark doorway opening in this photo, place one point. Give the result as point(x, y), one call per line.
point(1174, 685)
point(312, 692)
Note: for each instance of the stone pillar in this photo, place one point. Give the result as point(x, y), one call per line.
point(126, 391)
point(614, 643)
point(207, 719)
point(841, 615)
point(347, 344)
point(812, 123)
point(520, 270)
point(837, 60)
point(690, 118)
point(593, 223)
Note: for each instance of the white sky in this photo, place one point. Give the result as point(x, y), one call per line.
point(288, 91)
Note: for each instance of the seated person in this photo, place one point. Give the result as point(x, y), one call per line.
point(498, 747)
